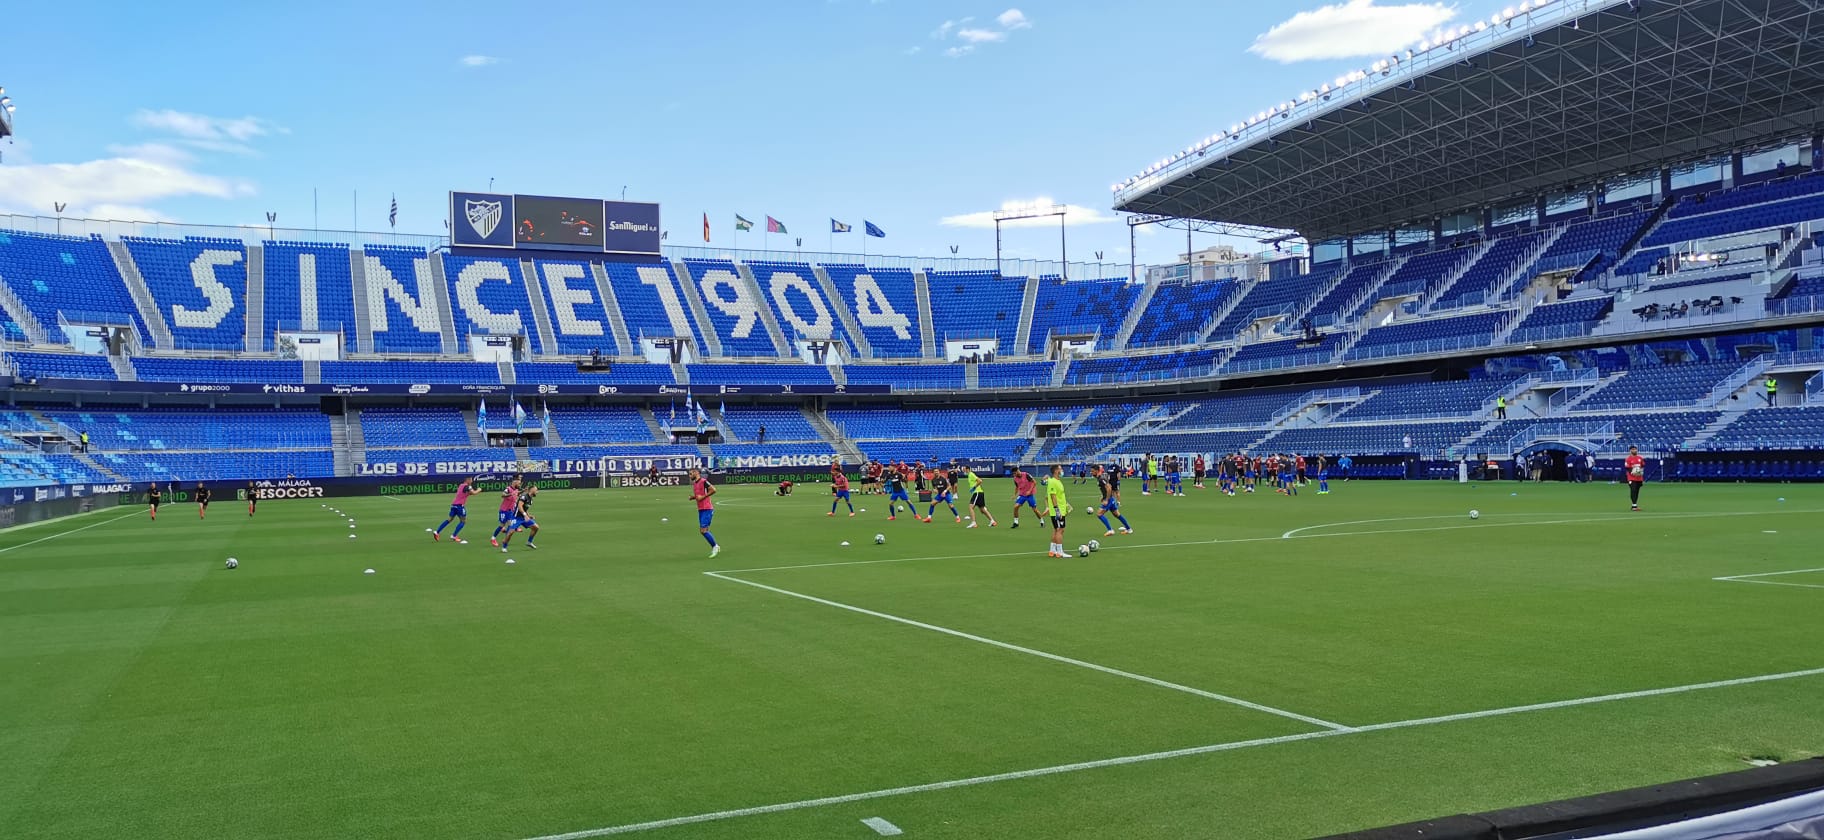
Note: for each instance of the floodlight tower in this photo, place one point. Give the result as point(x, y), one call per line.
point(6, 115)
point(1057, 210)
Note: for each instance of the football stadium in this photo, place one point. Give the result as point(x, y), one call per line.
point(1470, 489)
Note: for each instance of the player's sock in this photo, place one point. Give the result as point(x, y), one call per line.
point(711, 537)
point(1105, 525)
point(458, 529)
point(446, 524)
point(1123, 522)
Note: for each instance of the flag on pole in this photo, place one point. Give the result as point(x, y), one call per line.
point(838, 227)
point(874, 229)
point(519, 416)
point(547, 415)
point(392, 218)
point(666, 421)
point(742, 223)
point(773, 226)
point(705, 227)
point(481, 415)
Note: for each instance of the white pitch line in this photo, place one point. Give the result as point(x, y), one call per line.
point(1210, 695)
point(69, 532)
point(1769, 574)
point(1750, 579)
point(882, 827)
point(802, 804)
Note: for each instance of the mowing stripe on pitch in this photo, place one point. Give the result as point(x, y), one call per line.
point(802, 804)
point(1210, 695)
point(69, 532)
point(1289, 535)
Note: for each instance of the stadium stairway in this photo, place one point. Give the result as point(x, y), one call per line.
point(142, 296)
point(541, 315)
point(446, 314)
point(1449, 278)
point(1060, 371)
point(1523, 266)
point(357, 444)
point(1133, 317)
point(86, 460)
point(357, 279)
point(693, 298)
point(313, 371)
point(1735, 411)
point(339, 447)
point(680, 373)
point(552, 438)
point(1743, 384)
point(507, 374)
point(844, 447)
point(837, 374)
point(123, 368)
point(255, 339)
point(476, 438)
point(972, 376)
point(1243, 287)
point(617, 322)
point(20, 314)
point(1022, 335)
point(652, 425)
point(927, 329)
point(768, 318)
point(858, 338)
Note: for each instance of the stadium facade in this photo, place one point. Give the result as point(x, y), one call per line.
point(1508, 257)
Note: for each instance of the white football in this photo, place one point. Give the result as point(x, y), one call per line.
point(233, 563)
point(351, 536)
point(880, 539)
point(509, 561)
point(1095, 545)
point(351, 524)
point(664, 519)
point(845, 542)
point(368, 572)
point(1475, 514)
point(1082, 551)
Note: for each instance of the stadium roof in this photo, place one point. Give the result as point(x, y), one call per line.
point(1553, 97)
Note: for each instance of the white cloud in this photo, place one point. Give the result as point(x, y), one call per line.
point(1353, 28)
point(914, 50)
point(1073, 215)
point(110, 188)
point(203, 127)
point(953, 52)
point(943, 30)
point(478, 60)
point(1013, 19)
point(980, 36)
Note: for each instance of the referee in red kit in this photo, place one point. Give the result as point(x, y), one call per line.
point(1636, 470)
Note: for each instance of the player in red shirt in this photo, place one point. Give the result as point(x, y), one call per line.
point(839, 488)
point(700, 491)
point(1636, 470)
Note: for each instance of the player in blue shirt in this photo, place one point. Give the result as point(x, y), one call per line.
point(1111, 502)
point(941, 494)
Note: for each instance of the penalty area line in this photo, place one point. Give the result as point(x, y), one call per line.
point(717, 816)
point(1208, 695)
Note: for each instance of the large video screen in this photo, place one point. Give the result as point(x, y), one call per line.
point(558, 222)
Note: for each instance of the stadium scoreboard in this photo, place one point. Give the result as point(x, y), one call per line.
point(542, 222)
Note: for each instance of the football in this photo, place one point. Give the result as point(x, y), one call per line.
point(1082, 551)
point(880, 539)
point(1475, 514)
point(233, 563)
point(1095, 545)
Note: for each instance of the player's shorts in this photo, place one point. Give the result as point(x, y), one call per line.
point(1057, 522)
point(154, 503)
point(899, 496)
point(979, 500)
point(1025, 500)
point(506, 517)
point(1248, 474)
point(941, 498)
point(203, 502)
point(459, 511)
point(703, 517)
point(1111, 505)
point(527, 522)
point(842, 494)
point(1198, 474)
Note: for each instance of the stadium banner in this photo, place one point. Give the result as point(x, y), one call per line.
point(416, 390)
point(631, 228)
point(481, 220)
point(330, 488)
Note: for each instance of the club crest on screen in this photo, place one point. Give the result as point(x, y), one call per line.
point(484, 216)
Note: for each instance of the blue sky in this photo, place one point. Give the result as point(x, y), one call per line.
point(918, 116)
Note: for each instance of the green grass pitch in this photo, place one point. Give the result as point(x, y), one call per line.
point(1208, 676)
